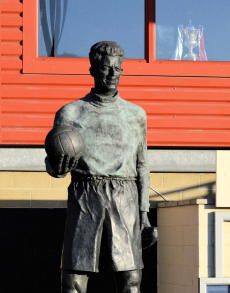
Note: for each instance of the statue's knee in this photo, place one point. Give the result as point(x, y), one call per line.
point(128, 281)
point(134, 278)
point(67, 282)
point(72, 282)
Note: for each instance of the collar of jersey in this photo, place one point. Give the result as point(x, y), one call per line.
point(103, 101)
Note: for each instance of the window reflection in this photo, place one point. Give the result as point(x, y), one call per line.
point(52, 19)
point(196, 30)
point(218, 289)
point(68, 28)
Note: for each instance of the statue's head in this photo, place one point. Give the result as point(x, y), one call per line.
point(106, 58)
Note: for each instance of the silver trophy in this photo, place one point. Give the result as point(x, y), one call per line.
point(191, 40)
point(190, 37)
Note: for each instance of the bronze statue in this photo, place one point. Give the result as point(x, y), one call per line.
point(108, 196)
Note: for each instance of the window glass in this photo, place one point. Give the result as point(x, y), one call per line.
point(218, 289)
point(207, 37)
point(68, 28)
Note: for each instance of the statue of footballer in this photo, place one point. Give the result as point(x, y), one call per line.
point(108, 198)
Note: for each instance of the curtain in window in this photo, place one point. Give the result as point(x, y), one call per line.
point(52, 16)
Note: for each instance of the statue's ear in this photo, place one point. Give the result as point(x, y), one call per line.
point(92, 71)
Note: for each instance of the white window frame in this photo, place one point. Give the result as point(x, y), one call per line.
point(220, 218)
point(204, 282)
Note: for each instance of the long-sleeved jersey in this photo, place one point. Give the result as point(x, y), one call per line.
point(114, 132)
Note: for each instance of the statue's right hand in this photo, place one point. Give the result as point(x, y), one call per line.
point(61, 166)
point(66, 164)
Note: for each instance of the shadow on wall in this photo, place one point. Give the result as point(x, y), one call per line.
point(194, 191)
point(30, 252)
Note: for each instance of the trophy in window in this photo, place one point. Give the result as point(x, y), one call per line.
point(190, 34)
point(190, 37)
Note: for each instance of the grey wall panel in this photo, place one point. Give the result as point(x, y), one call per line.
point(32, 159)
point(182, 160)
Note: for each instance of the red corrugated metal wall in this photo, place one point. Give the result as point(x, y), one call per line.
point(182, 111)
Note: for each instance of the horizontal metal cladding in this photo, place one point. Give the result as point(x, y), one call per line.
point(181, 111)
point(11, 36)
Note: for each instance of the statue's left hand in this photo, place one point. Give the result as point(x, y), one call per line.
point(144, 221)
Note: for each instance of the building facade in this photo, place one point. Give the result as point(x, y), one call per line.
point(187, 106)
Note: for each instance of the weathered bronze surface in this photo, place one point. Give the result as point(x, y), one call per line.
point(108, 195)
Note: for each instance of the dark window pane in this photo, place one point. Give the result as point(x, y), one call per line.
point(68, 28)
point(211, 21)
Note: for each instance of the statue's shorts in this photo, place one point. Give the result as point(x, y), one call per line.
point(103, 228)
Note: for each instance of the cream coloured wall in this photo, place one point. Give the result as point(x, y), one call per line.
point(32, 190)
point(38, 189)
point(182, 186)
point(222, 178)
point(178, 258)
point(186, 244)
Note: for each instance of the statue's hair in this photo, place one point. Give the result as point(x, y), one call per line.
point(100, 49)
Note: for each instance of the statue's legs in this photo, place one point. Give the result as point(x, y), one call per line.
point(74, 282)
point(128, 281)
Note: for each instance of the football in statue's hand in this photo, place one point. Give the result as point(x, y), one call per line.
point(64, 141)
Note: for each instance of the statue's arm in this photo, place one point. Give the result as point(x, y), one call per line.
point(59, 169)
point(143, 179)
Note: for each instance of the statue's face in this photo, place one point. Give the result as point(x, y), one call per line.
point(107, 75)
